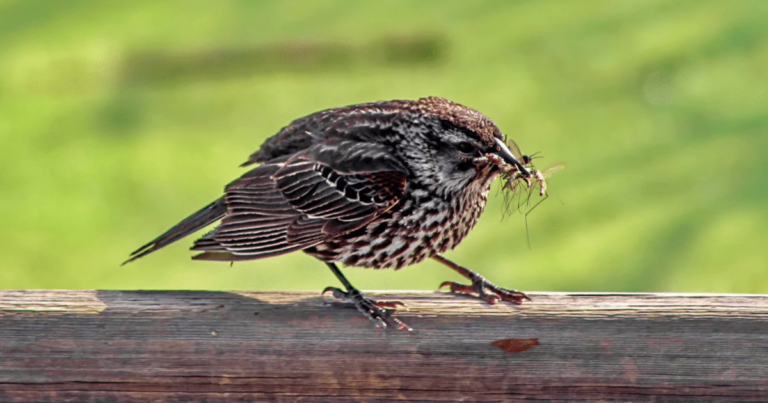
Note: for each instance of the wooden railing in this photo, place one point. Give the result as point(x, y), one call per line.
point(179, 346)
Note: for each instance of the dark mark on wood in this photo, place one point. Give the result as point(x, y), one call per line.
point(515, 345)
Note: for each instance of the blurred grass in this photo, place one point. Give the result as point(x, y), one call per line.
point(117, 119)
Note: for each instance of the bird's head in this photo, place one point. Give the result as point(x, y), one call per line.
point(454, 146)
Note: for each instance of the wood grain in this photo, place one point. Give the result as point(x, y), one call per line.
point(174, 346)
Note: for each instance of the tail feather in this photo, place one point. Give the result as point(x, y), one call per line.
point(197, 221)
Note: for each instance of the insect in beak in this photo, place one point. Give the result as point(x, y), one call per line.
point(509, 158)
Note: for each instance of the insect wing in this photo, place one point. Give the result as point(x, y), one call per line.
point(549, 171)
point(515, 149)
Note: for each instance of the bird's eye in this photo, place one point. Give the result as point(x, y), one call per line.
point(465, 147)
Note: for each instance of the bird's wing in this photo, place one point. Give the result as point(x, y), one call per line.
point(293, 203)
point(363, 123)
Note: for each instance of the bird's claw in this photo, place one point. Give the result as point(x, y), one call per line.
point(377, 311)
point(486, 291)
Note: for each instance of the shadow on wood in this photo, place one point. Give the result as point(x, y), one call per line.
point(175, 346)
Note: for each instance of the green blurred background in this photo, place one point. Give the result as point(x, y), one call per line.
point(117, 119)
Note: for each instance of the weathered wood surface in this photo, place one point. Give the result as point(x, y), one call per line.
point(119, 346)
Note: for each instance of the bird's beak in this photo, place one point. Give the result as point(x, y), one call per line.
point(509, 158)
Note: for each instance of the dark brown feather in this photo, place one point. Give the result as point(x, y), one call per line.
point(197, 221)
point(368, 123)
point(294, 203)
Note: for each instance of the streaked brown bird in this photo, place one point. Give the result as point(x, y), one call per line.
point(378, 185)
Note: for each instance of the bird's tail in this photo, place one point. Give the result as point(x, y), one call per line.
point(207, 215)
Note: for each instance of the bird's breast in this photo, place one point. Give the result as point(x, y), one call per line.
point(419, 228)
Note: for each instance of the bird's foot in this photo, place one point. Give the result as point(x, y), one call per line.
point(377, 311)
point(486, 291)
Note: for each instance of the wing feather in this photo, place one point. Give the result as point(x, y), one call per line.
point(302, 200)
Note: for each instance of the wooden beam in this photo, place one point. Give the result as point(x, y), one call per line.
point(179, 346)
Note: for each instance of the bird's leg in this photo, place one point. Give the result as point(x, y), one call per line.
point(480, 287)
point(377, 311)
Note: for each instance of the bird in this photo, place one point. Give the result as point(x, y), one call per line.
point(379, 185)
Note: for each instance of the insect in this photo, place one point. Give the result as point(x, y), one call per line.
point(513, 178)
